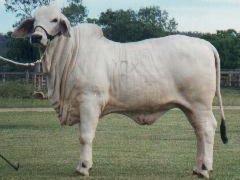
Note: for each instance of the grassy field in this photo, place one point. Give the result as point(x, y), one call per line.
point(231, 97)
point(23, 103)
point(122, 149)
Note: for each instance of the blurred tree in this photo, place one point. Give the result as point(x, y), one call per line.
point(228, 45)
point(120, 25)
point(24, 8)
point(157, 19)
point(75, 12)
point(128, 25)
point(20, 50)
point(25, 54)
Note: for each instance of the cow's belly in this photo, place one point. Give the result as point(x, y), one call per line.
point(142, 106)
point(138, 95)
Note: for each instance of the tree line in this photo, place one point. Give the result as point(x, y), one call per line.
point(118, 25)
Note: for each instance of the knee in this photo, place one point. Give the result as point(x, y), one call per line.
point(85, 139)
point(206, 133)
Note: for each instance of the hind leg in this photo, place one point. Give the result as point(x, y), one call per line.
point(204, 124)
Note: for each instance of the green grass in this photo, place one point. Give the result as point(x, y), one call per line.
point(23, 103)
point(15, 89)
point(122, 149)
point(231, 97)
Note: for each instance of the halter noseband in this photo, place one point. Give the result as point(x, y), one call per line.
point(49, 36)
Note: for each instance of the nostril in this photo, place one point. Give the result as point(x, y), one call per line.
point(36, 38)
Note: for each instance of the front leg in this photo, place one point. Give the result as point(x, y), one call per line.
point(89, 115)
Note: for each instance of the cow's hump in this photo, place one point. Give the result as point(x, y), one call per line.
point(89, 30)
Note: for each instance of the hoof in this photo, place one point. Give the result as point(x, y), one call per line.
point(201, 174)
point(83, 168)
point(82, 171)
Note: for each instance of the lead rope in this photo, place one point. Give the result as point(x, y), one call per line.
point(16, 167)
point(24, 64)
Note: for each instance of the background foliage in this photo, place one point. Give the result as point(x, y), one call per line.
point(129, 25)
point(118, 25)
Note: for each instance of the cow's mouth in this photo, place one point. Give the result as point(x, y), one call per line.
point(39, 45)
point(42, 48)
point(37, 40)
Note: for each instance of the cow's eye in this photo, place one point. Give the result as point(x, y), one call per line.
point(54, 20)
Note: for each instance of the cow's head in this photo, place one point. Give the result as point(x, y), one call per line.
point(47, 23)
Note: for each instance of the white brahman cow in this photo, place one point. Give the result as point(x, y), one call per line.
point(90, 76)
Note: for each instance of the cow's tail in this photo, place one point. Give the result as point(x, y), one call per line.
point(218, 93)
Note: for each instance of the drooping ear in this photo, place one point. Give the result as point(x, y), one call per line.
point(24, 29)
point(65, 26)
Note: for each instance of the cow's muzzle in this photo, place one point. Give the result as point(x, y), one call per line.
point(36, 39)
